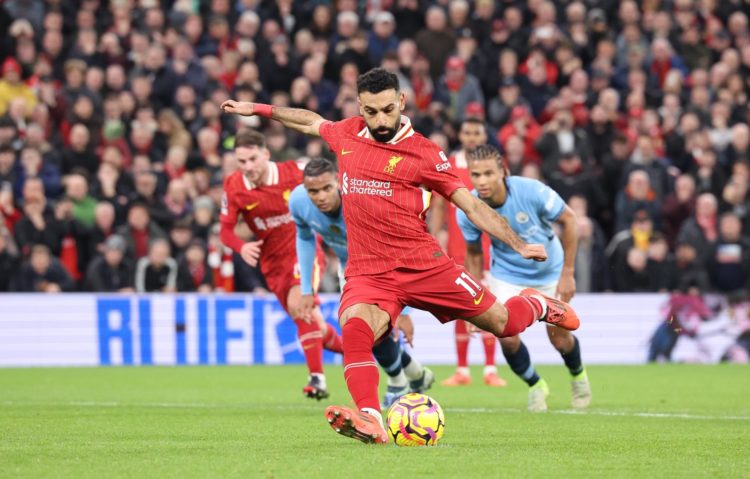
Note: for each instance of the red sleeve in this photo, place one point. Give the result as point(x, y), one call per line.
point(228, 217)
point(228, 238)
point(437, 173)
point(329, 134)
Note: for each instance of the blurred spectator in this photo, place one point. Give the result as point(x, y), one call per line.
point(194, 273)
point(77, 190)
point(637, 196)
point(644, 158)
point(500, 107)
point(80, 153)
point(709, 177)
point(12, 87)
point(637, 236)
point(32, 165)
point(729, 262)
point(522, 125)
point(39, 224)
point(561, 137)
point(435, 41)
point(180, 237)
point(139, 231)
point(690, 272)
point(736, 199)
point(678, 206)
point(42, 272)
point(111, 271)
point(382, 39)
point(9, 259)
point(574, 177)
point(661, 266)
point(701, 230)
point(156, 272)
point(591, 268)
point(457, 89)
point(146, 194)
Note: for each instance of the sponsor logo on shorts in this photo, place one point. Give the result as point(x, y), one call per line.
point(479, 299)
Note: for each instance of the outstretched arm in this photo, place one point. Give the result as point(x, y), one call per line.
point(566, 286)
point(298, 119)
point(487, 220)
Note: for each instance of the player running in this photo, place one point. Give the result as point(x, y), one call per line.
point(388, 172)
point(530, 207)
point(259, 192)
point(471, 134)
point(316, 208)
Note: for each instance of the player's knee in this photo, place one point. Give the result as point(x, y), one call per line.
point(511, 344)
point(561, 339)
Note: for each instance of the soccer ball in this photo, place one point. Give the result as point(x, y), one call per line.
point(415, 420)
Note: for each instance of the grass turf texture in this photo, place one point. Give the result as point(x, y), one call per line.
point(646, 421)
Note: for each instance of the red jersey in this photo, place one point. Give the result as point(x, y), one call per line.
point(386, 189)
point(265, 209)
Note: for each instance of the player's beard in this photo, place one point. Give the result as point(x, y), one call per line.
point(383, 134)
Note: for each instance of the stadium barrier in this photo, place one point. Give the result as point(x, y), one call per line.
point(193, 329)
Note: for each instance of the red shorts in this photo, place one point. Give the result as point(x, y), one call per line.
point(280, 279)
point(447, 291)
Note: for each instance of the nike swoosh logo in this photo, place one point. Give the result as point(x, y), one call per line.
point(344, 152)
point(479, 299)
point(252, 206)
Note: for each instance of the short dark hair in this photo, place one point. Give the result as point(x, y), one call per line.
point(249, 137)
point(319, 166)
point(471, 121)
point(377, 80)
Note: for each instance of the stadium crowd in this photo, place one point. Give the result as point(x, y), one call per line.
point(113, 149)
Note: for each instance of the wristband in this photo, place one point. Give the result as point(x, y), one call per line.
point(261, 109)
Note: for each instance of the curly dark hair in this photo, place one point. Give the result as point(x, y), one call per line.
point(377, 80)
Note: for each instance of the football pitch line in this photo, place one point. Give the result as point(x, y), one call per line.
point(178, 405)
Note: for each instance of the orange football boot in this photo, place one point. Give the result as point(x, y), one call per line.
point(457, 379)
point(356, 425)
point(495, 381)
point(559, 313)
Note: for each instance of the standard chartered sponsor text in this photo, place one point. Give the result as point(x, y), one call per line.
point(370, 187)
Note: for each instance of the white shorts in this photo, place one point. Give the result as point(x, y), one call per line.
point(504, 291)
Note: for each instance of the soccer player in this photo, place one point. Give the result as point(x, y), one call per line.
point(530, 207)
point(471, 134)
point(259, 192)
point(316, 208)
point(388, 172)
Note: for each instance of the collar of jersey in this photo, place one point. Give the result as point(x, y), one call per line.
point(273, 177)
point(405, 132)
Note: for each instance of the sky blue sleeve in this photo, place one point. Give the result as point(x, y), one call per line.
point(549, 204)
point(305, 245)
point(471, 233)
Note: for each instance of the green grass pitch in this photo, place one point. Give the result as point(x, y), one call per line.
point(662, 421)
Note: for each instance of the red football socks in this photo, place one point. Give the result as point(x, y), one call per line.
point(311, 339)
point(490, 343)
point(360, 371)
point(522, 312)
point(332, 340)
point(462, 344)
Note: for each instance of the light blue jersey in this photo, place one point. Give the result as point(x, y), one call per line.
point(530, 208)
point(310, 220)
